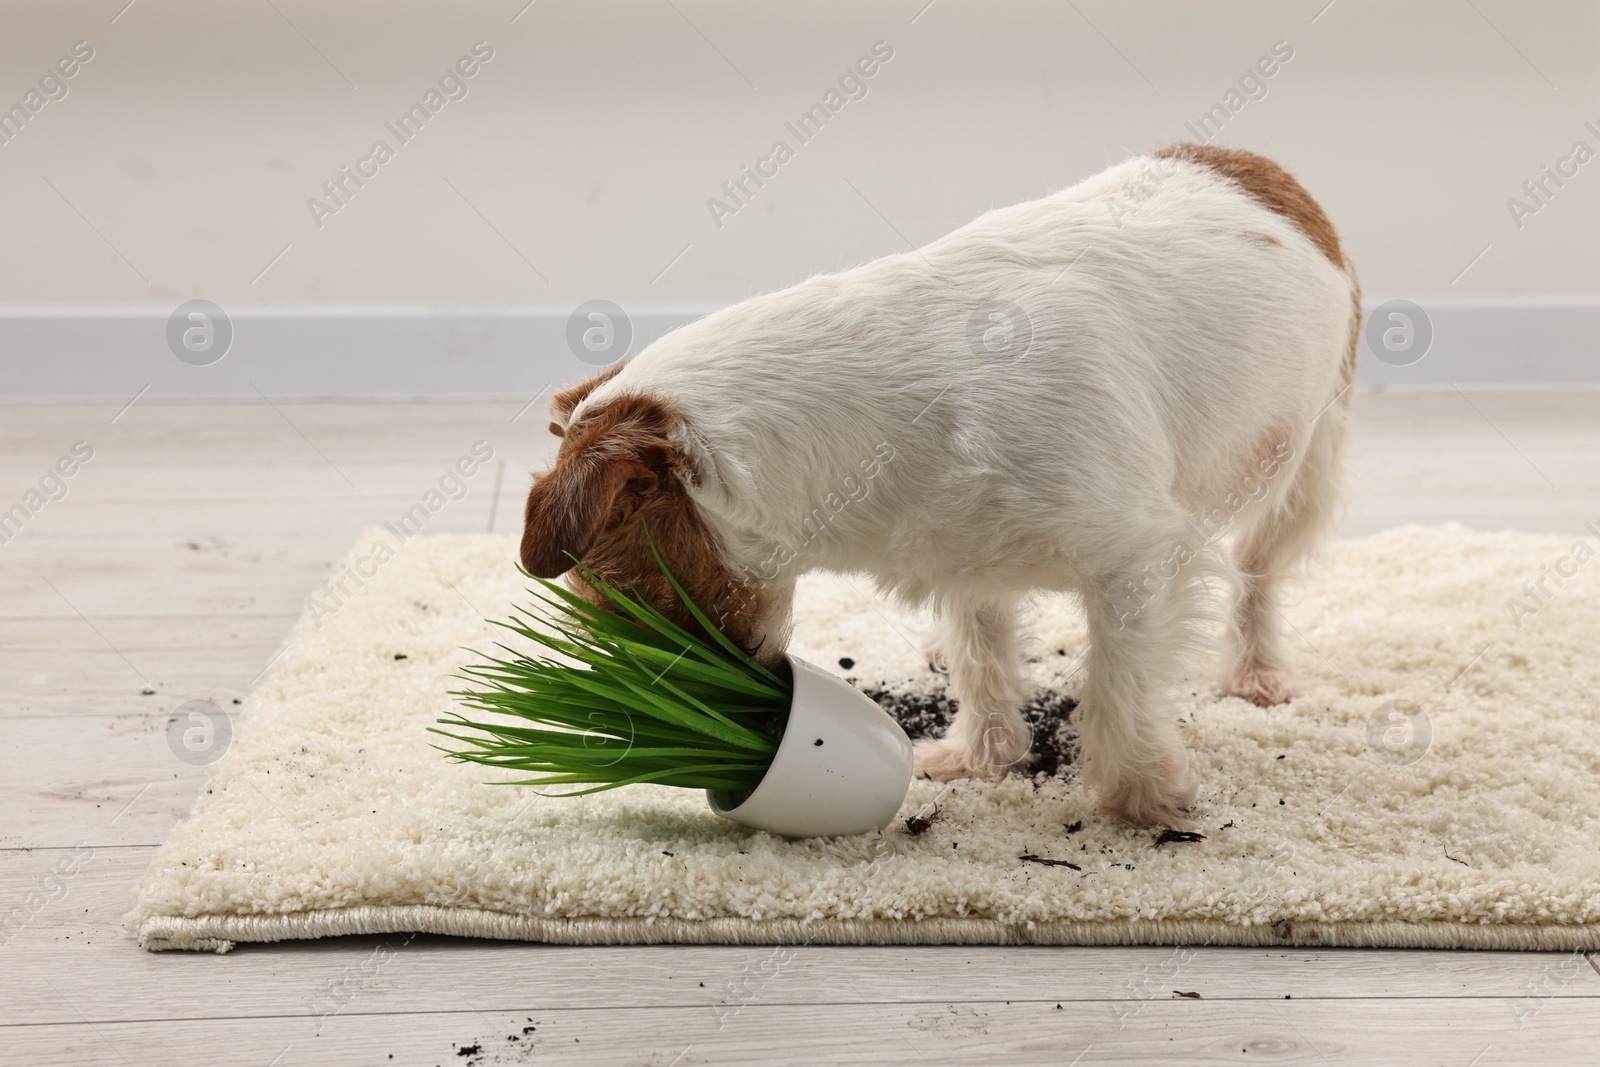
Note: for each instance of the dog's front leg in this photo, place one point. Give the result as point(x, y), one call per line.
point(988, 736)
point(1126, 728)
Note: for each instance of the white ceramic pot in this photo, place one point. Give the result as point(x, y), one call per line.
point(843, 765)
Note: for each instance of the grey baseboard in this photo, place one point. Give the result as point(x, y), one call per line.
point(304, 353)
point(1481, 342)
point(113, 354)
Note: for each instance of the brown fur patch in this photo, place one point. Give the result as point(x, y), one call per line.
point(1278, 190)
point(1268, 183)
point(618, 470)
point(563, 403)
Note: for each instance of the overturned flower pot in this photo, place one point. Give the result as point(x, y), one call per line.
point(634, 698)
point(842, 767)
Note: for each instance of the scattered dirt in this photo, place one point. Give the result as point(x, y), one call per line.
point(1055, 746)
point(519, 1048)
point(1028, 857)
point(918, 825)
point(1168, 836)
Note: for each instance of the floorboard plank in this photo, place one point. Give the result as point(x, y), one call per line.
point(105, 779)
point(62, 636)
point(1351, 1033)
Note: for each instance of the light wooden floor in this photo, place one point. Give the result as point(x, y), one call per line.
point(187, 545)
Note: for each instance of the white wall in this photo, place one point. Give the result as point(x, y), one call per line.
point(579, 165)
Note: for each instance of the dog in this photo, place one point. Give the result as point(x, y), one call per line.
point(1135, 390)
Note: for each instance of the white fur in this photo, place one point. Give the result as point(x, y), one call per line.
point(1178, 325)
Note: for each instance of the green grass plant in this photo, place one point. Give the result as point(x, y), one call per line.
point(641, 700)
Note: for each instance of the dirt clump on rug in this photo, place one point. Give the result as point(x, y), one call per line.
point(1055, 745)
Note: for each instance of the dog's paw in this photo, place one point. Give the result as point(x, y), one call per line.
point(1152, 799)
point(1261, 686)
point(944, 760)
point(933, 651)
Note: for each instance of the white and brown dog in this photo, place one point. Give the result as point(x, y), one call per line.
point(1081, 393)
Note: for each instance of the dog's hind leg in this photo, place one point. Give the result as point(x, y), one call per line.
point(1271, 550)
point(1146, 621)
point(988, 736)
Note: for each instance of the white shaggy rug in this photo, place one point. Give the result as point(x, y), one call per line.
point(1468, 816)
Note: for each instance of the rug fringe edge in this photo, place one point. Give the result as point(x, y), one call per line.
point(220, 933)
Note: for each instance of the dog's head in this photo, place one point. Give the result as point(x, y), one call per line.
point(618, 472)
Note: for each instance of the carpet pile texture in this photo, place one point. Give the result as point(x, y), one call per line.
point(1437, 783)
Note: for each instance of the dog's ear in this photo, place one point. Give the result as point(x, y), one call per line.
point(610, 460)
point(563, 403)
